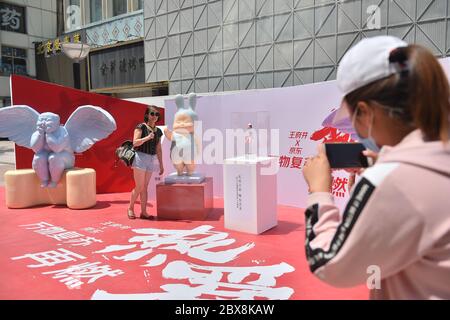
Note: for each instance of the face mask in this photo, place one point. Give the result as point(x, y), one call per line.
point(368, 142)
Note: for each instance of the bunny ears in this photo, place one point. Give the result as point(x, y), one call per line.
point(179, 100)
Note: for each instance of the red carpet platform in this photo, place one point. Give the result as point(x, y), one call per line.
point(51, 252)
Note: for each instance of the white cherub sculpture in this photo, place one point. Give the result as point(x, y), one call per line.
point(54, 145)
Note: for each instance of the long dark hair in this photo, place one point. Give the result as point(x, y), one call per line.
point(418, 94)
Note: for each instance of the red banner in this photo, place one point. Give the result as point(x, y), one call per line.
point(46, 97)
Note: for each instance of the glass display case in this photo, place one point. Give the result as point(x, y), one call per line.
point(251, 132)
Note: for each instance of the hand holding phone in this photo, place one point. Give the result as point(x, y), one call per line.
point(317, 172)
point(346, 155)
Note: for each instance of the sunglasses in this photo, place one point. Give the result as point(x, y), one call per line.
point(155, 114)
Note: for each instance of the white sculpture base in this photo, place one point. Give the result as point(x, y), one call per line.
point(250, 198)
point(195, 178)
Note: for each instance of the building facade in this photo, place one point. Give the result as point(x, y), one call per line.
point(114, 29)
point(22, 24)
point(222, 45)
point(52, 65)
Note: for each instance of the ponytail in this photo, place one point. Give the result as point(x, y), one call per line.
point(431, 101)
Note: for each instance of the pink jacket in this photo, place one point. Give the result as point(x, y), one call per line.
point(396, 226)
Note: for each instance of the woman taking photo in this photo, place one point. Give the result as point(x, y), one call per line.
point(148, 159)
point(394, 233)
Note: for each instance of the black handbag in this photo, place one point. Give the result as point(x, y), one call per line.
point(126, 153)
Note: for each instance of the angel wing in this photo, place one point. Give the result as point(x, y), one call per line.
point(88, 125)
point(18, 123)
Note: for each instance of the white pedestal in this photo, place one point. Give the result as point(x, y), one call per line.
point(250, 198)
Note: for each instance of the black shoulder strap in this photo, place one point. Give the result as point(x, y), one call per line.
point(144, 130)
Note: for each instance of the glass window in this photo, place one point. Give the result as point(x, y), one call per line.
point(14, 61)
point(75, 3)
point(19, 53)
point(119, 7)
point(138, 4)
point(20, 66)
point(7, 66)
point(95, 7)
point(7, 51)
point(5, 102)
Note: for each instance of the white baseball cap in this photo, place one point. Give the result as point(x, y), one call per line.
point(366, 62)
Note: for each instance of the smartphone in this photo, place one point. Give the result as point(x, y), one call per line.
point(346, 155)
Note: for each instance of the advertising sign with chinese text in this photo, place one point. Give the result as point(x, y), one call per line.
point(12, 18)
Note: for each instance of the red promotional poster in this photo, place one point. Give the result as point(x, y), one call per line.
point(111, 177)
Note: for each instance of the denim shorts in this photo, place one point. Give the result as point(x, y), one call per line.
point(146, 162)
